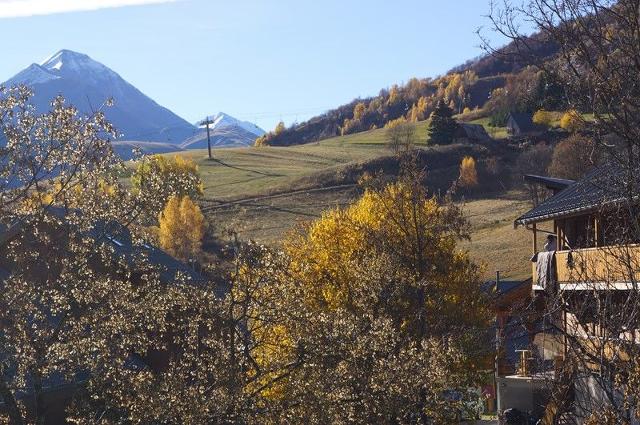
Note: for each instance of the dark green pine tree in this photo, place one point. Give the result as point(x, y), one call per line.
point(442, 127)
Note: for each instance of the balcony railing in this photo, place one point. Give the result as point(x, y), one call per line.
point(616, 267)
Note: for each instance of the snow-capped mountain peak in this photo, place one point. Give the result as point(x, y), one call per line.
point(70, 62)
point(223, 120)
point(87, 84)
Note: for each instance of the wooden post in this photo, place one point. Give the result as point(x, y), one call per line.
point(535, 239)
point(208, 122)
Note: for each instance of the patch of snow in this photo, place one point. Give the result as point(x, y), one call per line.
point(67, 61)
point(51, 58)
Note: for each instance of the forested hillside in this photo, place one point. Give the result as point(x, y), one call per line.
point(491, 85)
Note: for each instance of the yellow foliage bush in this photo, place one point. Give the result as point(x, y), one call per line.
point(280, 128)
point(261, 141)
point(181, 228)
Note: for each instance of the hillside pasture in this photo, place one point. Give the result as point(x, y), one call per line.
point(263, 193)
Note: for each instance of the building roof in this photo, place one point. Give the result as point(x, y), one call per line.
point(524, 121)
point(599, 187)
point(551, 183)
point(472, 131)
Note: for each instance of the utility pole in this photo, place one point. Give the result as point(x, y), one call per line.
point(208, 121)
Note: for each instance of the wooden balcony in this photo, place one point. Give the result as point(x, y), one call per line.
point(614, 267)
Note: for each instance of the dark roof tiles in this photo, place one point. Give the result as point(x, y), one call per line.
point(601, 186)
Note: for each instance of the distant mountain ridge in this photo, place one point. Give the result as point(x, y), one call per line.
point(143, 123)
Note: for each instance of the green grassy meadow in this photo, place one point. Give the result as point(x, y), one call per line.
point(240, 172)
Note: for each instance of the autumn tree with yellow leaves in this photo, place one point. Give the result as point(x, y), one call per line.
point(542, 117)
point(181, 228)
point(418, 111)
point(280, 128)
point(371, 314)
point(265, 138)
point(468, 173)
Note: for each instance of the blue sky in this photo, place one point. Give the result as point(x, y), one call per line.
point(259, 60)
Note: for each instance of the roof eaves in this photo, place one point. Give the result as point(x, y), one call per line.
point(551, 182)
point(523, 220)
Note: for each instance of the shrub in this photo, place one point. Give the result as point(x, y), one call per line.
point(395, 123)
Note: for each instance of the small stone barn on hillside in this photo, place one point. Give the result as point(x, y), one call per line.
point(472, 132)
point(521, 123)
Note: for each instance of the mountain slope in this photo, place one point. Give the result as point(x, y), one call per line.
point(88, 84)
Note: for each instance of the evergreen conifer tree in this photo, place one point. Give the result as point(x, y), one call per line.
point(442, 127)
